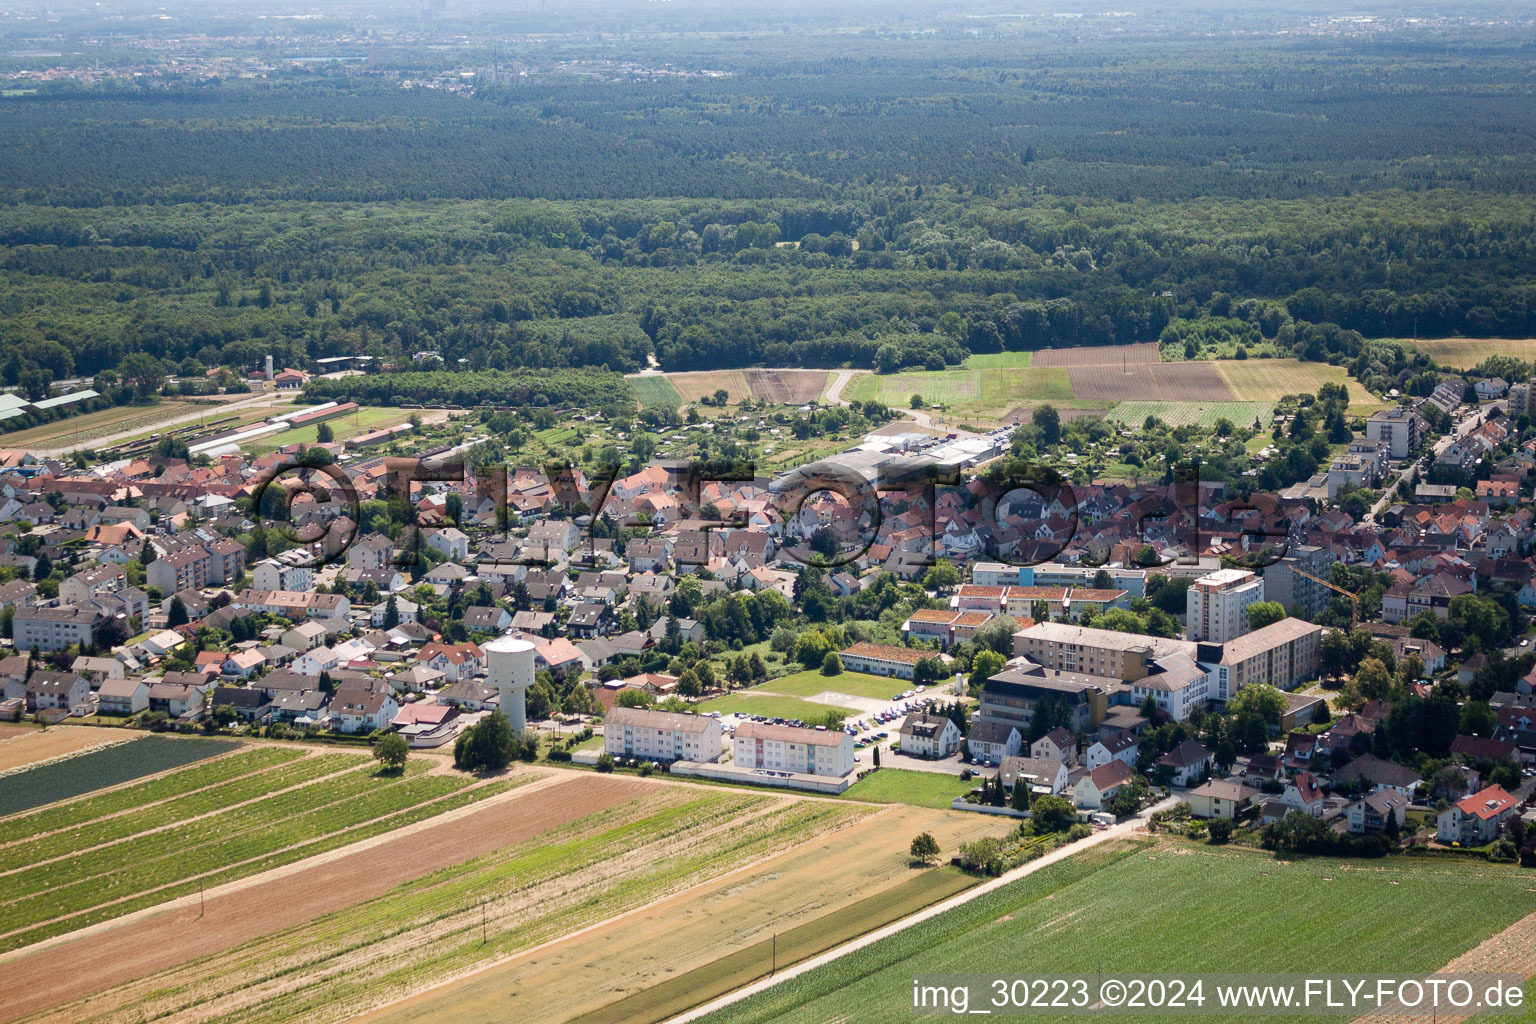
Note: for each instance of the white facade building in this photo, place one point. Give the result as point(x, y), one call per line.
point(661, 735)
point(786, 748)
point(1217, 604)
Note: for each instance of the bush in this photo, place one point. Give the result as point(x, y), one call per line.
point(832, 665)
point(647, 767)
point(1220, 829)
point(605, 762)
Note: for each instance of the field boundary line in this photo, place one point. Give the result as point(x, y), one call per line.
point(883, 810)
point(293, 867)
point(1119, 831)
point(65, 757)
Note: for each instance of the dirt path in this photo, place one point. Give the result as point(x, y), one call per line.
point(591, 968)
point(137, 945)
point(1120, 831)
point(1511, 951)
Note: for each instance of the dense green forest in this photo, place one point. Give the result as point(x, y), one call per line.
point(816, 202)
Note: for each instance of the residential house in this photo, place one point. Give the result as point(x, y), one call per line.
point(1220, 799)
point(1477, 819)
point(989, 741)
point(1370, 812)
point(1095, 788)
point(925, 735)
point(1043, 776)
point(1120, 748)
point(1188, 763)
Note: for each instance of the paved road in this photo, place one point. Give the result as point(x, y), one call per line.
point(1119, 831)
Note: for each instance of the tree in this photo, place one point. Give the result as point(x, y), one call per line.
point(832, 665)
point(143, 372)
point(605, 762)
point(392, 752)
point(997, 635)
point(176, 614)
point(324, 434)
point(1265, 613)
point(924, 848)
point(1052, 814)
point(1220, 829)
point(928, 671)
point(487, 746)
point(1020, 795)
point(1048, 421)
point(986, 664)
point(632, 697)
point(941, 576)
point(1259, 699)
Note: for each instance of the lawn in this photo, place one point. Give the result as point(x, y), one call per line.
point(1198, 414)
point(99, 769)
point(1465, 353)
point(772, 707)
point(1268, 380)
point(904, 786)
point(362, 421)
point(811, 682)
point(654, 391)
point(1118, 906)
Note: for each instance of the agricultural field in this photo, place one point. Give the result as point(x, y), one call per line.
point(1165, 382)
point(112, 765)
point(811, 682)
point(904, 786)
point(1269, 380)
point(1099, 355)
point(694, 386)
point(984, 393)
point(1092, 911)
point(787, 387)
point(1001, 361)
point(568, 852)
point(1194, 414)
point(225, 826)
point(655, 391)
point(1465, 353)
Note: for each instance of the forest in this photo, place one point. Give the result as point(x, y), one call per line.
point(924, 197)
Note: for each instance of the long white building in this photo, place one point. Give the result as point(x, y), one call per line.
point(786, 748)
point(1217, 604)
point(661, 735)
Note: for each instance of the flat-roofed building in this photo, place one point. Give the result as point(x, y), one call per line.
point(1217, 605)
point(1011, 696)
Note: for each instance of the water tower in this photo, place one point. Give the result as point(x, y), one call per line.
point(509, 661)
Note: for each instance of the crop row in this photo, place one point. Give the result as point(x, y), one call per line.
point(99, 769)
point(195, 804)
point(184, 842)
point(275, 859)
point(185, 781)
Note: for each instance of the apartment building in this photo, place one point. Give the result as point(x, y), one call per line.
point(1281, 655)
point(786, 748)
point(52, 629)
point(663, 735)
point(1399, 428)
point(1095, 652)
point(1217, 605)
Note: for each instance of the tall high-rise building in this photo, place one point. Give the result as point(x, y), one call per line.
point(1217, 604)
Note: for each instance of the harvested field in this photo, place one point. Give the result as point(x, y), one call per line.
point(1026, 413)
point(787, 387)
point(693, 386)
point(718, 936)
point(1465, 353)
point(1097, 355)
point(10, 730)
point(1164, 382)
point(18, 751)
point(1269, 380)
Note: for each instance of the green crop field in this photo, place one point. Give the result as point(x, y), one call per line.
point(1465, 353)
point(990, 392)
point(1000, 361)
point(1143, 907)
point(113, 766)
point(1268, 380)
point(653, 391)
point(1194, 414)
point(811, 682)
point(105, 867)
point(771, 707)
point(904, 786)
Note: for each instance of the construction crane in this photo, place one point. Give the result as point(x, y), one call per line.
point(1354, 599)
